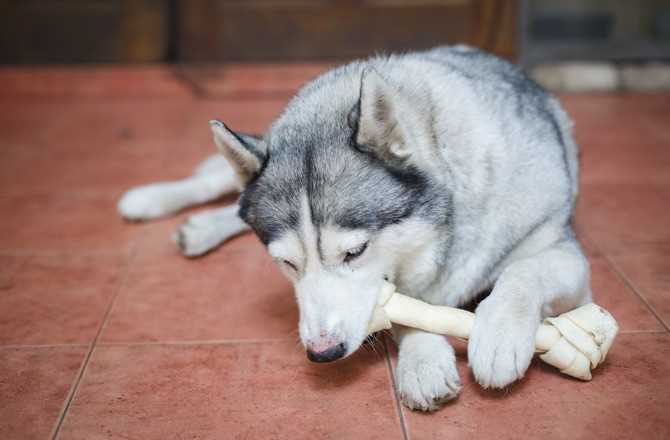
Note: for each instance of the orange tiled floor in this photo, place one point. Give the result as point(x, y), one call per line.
point(106, 332)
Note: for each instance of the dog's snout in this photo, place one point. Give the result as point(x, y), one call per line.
point(330, 354)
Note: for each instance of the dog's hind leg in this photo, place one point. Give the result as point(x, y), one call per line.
point(211, 180)
point(207, 230)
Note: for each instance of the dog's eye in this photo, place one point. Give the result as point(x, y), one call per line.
point(290, 264)
point(354, 253)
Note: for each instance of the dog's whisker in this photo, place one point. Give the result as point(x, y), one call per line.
point(371, 344)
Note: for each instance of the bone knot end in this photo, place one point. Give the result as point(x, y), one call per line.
point(578, 340)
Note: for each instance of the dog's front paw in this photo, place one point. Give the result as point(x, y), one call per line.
point(427, 377)
point(502, 342)
point(146, 203)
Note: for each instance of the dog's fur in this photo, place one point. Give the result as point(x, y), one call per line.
point(447, 172)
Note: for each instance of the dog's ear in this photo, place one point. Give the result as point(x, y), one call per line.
point(246, 154)
point(378, 127)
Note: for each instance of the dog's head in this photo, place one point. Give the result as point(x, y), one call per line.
point(333, 191)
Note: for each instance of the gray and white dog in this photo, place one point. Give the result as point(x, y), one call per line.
point(447, 172)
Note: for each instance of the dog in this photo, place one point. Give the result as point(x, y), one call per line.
point(447, 172)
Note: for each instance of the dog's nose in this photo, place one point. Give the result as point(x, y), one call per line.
point(329, 354)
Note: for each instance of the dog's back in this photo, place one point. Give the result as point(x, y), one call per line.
point(494, 75)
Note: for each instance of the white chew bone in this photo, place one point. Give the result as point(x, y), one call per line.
point(575, 342)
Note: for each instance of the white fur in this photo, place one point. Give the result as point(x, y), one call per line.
point(426, 373)
point(503, 337)
point(211, 180)
point(205, 231)
point(335, 298)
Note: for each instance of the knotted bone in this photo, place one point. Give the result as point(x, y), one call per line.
point(575, 342)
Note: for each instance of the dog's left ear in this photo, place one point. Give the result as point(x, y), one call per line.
point(378, 127)
point(246, 154)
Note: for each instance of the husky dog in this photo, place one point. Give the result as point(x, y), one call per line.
point(447, 172)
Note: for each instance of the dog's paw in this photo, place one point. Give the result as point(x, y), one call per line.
point(502, 342)
point(205, 231)
point(146, 203)
point(197, 236)
point(427, 377)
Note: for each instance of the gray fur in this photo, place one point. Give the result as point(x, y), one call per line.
point(312, 145)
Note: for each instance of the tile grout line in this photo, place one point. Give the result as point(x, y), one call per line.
point(82, 369)
point(398, 405)
point(643, 332)
point(194, 342)
point(630, 285)
point(40, 254)
point(278, 96)
point(44, 346)
point(626, 280)
point(96, 97)
point(160, 343)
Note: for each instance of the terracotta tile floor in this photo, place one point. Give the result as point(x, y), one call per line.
point(106, 332)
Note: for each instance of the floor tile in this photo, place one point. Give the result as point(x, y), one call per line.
point(612, 293)
point(621, 136)
point(63, 223)
point(91, 81)
point(98, 124)
point(34, 383)
point(86, 170)
point(626, 399)
point(622, 219)
point(649, 273)
point(73, 139)
point(232, 391)
point(623, 154)
point(112, 145)
point(253, 79)
point(57, 299)
point(611, 108)
point(9, 266)
point(588, 246)
point(93, 125)
point(236, 292)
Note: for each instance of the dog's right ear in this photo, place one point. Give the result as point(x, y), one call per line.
point(246, 154)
